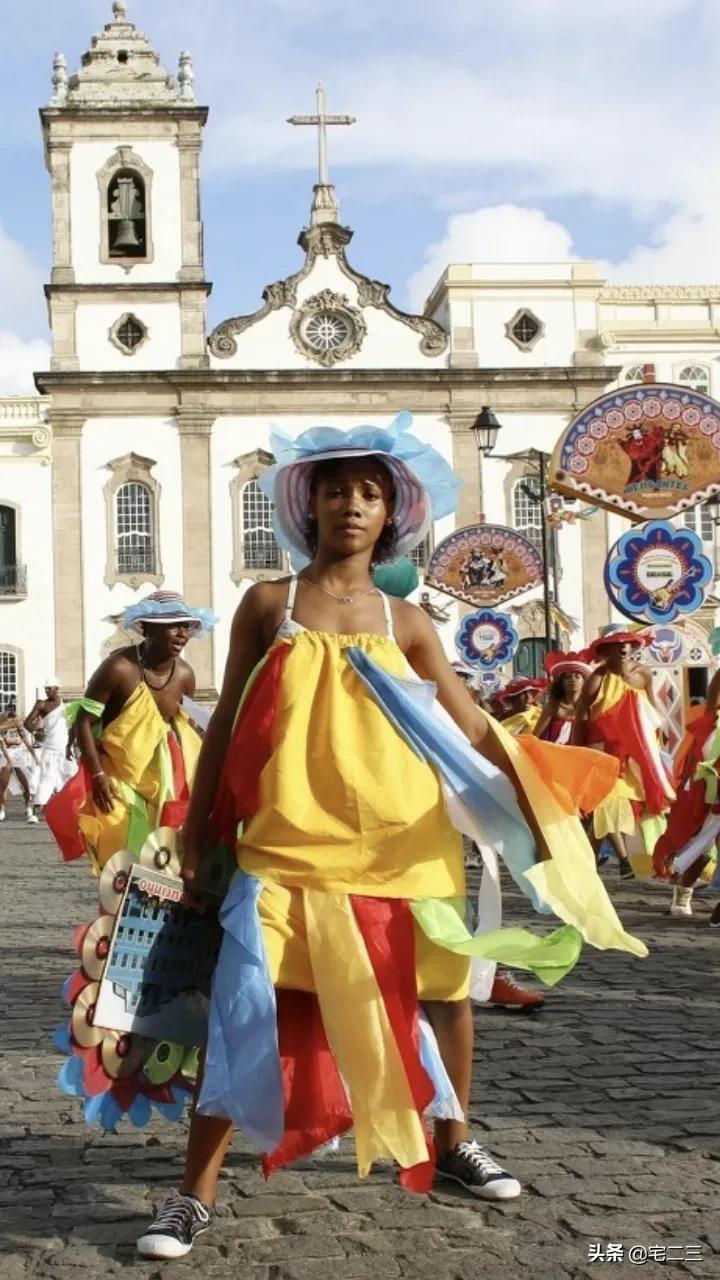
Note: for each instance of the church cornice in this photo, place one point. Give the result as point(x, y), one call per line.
point(660, 293)
point(119, 287)
point(326, 240)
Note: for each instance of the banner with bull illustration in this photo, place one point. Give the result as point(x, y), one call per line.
point(484, 564)
point(648, 450)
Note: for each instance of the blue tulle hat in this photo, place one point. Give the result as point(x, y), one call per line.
point(425, 485)
point(165, 608)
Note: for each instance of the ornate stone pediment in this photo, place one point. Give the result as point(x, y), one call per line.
point(324, 241)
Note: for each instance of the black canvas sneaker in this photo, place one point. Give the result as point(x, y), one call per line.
point(173, 1232)
point(471, 1165)
point(626, 871)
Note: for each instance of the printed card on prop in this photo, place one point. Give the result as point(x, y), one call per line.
point(156, 979)
point(484, 565)
point(486, 639)
point(656, 573)
point(647, 450)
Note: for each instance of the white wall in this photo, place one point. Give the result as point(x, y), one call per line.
point(102, 441)
point(86, 160)
point(161, 350)
point(28, 625)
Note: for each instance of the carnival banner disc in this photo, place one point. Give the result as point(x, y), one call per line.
point(484, 564)
point(160, 852)
point(647, 450)
point(656, 573)
point(486, 639)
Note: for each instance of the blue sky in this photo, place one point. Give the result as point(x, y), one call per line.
point(487, 129)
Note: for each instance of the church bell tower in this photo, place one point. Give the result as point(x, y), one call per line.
point(122, 145)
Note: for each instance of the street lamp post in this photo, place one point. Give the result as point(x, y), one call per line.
point(486, 429)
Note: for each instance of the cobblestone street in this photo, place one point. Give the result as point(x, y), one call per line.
point(605, 1104)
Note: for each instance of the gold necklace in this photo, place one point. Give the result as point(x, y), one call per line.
point(341, 599)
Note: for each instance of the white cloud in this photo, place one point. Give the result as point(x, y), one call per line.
point(499, 233)
point(21, 288)
point(18, 360)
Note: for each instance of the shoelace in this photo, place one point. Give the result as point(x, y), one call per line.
point(479, 1158)
point(178, 1214)
point(509, 980)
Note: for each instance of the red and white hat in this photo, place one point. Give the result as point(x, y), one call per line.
point(521, 685)
point(614, 634)
point(561, 664)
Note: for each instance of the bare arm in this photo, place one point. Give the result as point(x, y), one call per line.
point(426, 656)
point(34, 719)
point(591, 688)
point(546, 716)
point(113, 677)
point(246, 650)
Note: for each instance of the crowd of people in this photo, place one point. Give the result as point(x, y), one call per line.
point(343, 768)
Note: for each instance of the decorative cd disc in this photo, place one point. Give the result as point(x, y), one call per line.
point(164, 1062)
point(79, 938)
point(96, 945)
point(122, 1054)
point(160, 852)
point(84, 1033)
point(113, 880)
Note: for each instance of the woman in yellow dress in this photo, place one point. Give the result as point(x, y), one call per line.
point(341, 994)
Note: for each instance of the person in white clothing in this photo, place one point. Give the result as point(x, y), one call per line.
point(47, 722)
point(18, 761)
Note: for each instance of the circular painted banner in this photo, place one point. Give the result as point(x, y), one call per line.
point(486, 639)
point(484, 564)
point(650, 449)
point(657, 572)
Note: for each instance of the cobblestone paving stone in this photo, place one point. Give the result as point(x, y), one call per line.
point(604, 1104)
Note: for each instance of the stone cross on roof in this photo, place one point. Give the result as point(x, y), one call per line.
point(325, 206)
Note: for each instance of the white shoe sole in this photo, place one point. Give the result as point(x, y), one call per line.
point(162, 1247)
point(507, 1189)
point(676, 912)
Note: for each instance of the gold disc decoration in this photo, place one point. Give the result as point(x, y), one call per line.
point(122, 1053)
point(96, 945)
point(164, 1062)
point(113, 880)
point(160, 852)
point(83, 1010)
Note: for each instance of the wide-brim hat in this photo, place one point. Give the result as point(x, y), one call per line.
point(165, 608)
point(616, 635)
point(559, 664)
point(424, 483)
point(521, 685)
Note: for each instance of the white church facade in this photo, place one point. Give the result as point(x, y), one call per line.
point(136, 463)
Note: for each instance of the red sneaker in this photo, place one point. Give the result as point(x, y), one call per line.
point(507, 993)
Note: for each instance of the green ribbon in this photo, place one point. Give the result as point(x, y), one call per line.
point(550, 957)
point(138, 820)
point(72, 710)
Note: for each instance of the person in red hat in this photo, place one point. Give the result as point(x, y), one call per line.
point(616, 714)
point(520, 700)
point(567, 673)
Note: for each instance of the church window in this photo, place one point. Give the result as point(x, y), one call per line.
point(256, 553)
point(700, 520)
point(8, 679)
point(634, 373)
point(525, 329)
point(527, 509)
point(12, 574)
point(421, 553)
point(327, 331)
point(260, 550)
point(127, 236)
point(132, 502)
point(128, 334)
point(134, 529)
point(696, 377)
